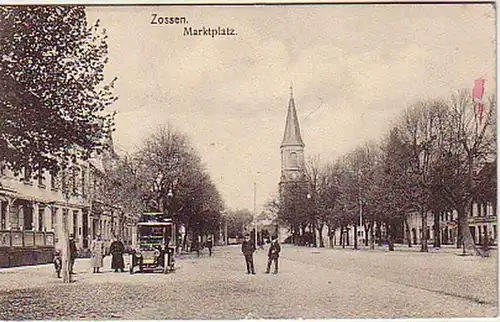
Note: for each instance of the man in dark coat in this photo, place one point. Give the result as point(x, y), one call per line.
point(164, 249)
point(210, 244)
point(273, 255)
point(73, 253)
point(248, 248)
point(116, 250)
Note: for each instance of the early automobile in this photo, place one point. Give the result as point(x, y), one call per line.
point(152, 251)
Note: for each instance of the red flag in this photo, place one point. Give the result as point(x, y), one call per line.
point(478, 91)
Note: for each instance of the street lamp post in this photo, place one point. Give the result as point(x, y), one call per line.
point(308, 205)
point(361, 218)
point(170, 196)
point(255, 210)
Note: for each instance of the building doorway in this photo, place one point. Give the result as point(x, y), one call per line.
point(85, 229)
point(473, 233)
point(41, 213)
point(27, 216)
point(95, 227)
point(3, 215)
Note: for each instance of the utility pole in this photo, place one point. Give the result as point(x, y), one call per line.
point(65, 249)
point(225, 231)
point(255, 210)
point(66, 262)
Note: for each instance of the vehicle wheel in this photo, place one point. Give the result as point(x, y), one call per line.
point(140, 269)
point(131, 264)
point(165, 263)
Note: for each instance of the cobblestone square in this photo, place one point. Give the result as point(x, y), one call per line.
point(312, 283)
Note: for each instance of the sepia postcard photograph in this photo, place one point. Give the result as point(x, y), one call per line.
point(258, 160)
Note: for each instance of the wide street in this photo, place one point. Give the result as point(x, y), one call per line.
point(312, 283)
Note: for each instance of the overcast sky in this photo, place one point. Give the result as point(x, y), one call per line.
point(353, 69)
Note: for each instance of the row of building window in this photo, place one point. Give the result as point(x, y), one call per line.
point(447, 235)
point(73, 180)
point(483, 209)
point(42, 225)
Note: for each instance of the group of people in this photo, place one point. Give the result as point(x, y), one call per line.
point(98, 251)
point(196, 245)
point(248, 248)
point(117, 249)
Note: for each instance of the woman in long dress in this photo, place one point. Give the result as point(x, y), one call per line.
point(97, 253)
point(117, 249)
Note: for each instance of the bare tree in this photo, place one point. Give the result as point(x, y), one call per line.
point(294, 209)
point(393, 188)
point(467, 146)
point(420, 127)
point(317, 179)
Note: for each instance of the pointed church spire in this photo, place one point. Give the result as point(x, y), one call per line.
point(292, 130)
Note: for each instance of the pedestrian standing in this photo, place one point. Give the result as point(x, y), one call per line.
point(73, 253)
point(248, 248)
point(117, 249)
point(273, 255)
point(97, 250)
point(58, 263)
point(210, 244)
point(164, 249)
point(196, 245)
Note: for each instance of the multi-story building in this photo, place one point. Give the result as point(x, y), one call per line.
point(482, 219)
point(45, 203)
point(37, 206)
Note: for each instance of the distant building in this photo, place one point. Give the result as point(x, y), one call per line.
point(482, 218)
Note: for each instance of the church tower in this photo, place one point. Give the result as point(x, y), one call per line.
point(292, 147)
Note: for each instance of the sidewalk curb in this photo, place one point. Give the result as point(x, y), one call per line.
point(27, 267)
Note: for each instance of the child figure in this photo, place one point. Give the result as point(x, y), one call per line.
point(58, 263)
